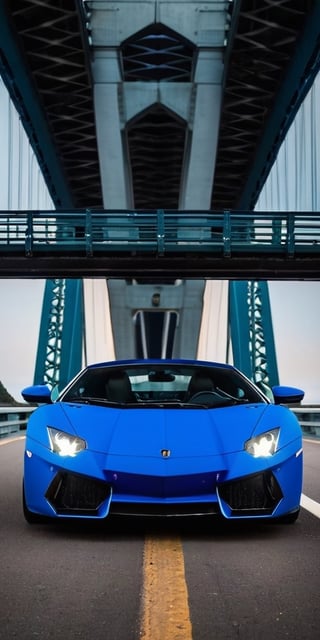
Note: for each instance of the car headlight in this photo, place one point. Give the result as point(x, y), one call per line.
point(264, 445)
point(65, 444)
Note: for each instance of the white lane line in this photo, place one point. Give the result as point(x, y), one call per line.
point(310, 505)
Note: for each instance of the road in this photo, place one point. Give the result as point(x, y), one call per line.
point(130, 580)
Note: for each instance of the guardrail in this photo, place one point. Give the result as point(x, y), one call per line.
point(13, 420)
point(309, 419)
point(96, 232)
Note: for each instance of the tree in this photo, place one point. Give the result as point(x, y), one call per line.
point(5, 397)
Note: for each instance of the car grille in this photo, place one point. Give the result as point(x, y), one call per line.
point(164, 510)
point(258, 494)
point(71, 494)
point(165, 486)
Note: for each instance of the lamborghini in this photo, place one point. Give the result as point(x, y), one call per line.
point(162, 438)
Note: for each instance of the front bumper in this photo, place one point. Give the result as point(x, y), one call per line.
point(65, 491)
point(76, 495)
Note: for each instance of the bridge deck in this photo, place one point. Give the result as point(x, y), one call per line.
point(180, 244)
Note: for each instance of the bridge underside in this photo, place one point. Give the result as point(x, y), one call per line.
point(264, 56)
point(179, 105)
point(163, 268)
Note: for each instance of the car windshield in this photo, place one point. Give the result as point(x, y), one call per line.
point(149, 384)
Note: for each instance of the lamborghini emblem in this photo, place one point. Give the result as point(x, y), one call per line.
point(165, 453)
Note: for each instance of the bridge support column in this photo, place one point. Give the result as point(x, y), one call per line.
point(113, 164)
point(156, 320)
point(198, 170)
point(252, 333)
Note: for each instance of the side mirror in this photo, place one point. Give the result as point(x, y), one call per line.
point(37, 394)
point(287, 395)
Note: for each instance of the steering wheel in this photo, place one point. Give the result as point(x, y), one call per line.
point(203, 395)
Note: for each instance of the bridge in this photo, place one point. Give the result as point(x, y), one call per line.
point(155, 125)
point(188, 244)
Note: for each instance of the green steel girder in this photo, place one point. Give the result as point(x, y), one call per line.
point(49, 342)
point(301, 72)
point(272, 58)
point(59, 355)
point(251, 332)
point(20, 85)
point(73, 330)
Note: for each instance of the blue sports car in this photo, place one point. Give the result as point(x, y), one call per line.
point(162, 437)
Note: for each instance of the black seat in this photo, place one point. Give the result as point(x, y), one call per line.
point(199, 382)
point(118, 388)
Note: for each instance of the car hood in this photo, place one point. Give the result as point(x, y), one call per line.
point(142, 432)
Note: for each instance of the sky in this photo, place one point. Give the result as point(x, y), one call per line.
point(295, 311)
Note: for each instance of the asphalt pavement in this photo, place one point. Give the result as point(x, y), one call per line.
point(93, 581)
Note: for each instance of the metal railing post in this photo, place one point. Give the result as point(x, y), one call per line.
point(227, 234)
point(160, 231)
point(88, 233)
point(29, 234)
point(290, 234)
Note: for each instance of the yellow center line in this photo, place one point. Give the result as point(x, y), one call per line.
point(165, 608)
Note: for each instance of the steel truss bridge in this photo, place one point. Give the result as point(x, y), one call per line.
point(188, 244)
point(155, 125)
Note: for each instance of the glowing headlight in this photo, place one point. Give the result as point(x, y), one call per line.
point(264, 445)
point(64, 443)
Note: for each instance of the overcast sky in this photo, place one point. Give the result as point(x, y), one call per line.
point(295, 310)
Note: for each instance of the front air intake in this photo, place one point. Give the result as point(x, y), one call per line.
point(258, 494)
point(72, 494)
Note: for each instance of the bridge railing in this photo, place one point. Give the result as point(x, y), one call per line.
point(13, 419)
point(309, 419)
point(89, 232)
